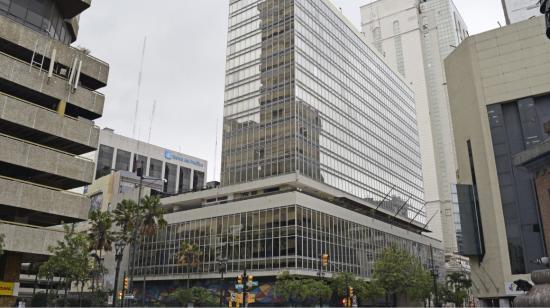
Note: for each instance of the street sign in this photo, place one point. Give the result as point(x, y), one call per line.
point(129, 296)
point(233, 297)
point(252, 284)
point(239, 286)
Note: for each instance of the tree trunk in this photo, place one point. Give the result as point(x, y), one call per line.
point(48, 284)
point(80, 294)
point(101, 269)
point(58, 286)
point(65, 297)
point(34, 286)
point(67, 282)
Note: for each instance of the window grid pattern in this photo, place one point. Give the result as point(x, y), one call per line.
point(305, 94)
point(398, 42)
point(39, 15)
point(290, 237)
point(368, 141)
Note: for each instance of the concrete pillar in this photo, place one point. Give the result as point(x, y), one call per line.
point(10, 268)
point(503, 302)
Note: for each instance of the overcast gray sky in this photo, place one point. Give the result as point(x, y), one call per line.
point(184, 64)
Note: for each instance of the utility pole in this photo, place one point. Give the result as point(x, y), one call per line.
point(139, 170)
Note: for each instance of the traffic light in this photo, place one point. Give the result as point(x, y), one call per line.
point(126, 283)
point(250, 278)
point(119, 294)
point(239, 279)
point(345, 302)
point(350, 291)
point(325, 260)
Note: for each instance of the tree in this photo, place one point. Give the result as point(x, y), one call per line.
point(368, 291)
point(397, 272)
point(152, 216)
point(455, 290)
point(189, 255)
point(70, 260)
point(364, 290)
point(145, 219)
point(100, 234)
point(197, 296)
point(302, 291)
point(101, 238)
point(126, 217)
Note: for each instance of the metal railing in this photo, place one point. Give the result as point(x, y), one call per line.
point(42, 70)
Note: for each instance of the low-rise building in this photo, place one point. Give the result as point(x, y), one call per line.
point(267, 226)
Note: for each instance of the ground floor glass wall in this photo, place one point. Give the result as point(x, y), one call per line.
point(291, 237)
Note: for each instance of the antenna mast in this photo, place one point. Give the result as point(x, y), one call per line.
point(152, 118)
point(139, 87)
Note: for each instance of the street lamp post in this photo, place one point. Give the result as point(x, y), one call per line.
point(119, 251)
point(222, 267)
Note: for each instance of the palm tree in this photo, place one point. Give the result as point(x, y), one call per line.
point(126, 217)
point(100, 235)
point(101, 238)
point(189, 255)
point(152, 216)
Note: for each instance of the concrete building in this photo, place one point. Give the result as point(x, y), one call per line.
point(166, 172)
point(182, 172)
point(520, 10)
point(48, 102)
point(320, 155)
point(499, 97)
point(416, 36)
point(271, 225)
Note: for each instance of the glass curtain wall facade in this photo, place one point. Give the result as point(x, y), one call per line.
point(292, 237)
point(305, 94)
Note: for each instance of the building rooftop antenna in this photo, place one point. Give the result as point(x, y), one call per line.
point(139, 86)
point(152, 119)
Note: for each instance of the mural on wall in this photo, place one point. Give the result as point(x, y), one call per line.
point(158, 292)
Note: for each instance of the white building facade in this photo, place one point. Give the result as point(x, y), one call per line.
point(519, 10)
point(181, 172)
point(416, 36)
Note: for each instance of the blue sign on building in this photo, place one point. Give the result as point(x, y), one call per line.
point(169, 155)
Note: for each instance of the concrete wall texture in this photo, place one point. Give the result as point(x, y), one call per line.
point(47, 106)
point(497, 66)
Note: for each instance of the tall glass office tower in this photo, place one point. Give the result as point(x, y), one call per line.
point(305, 94)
